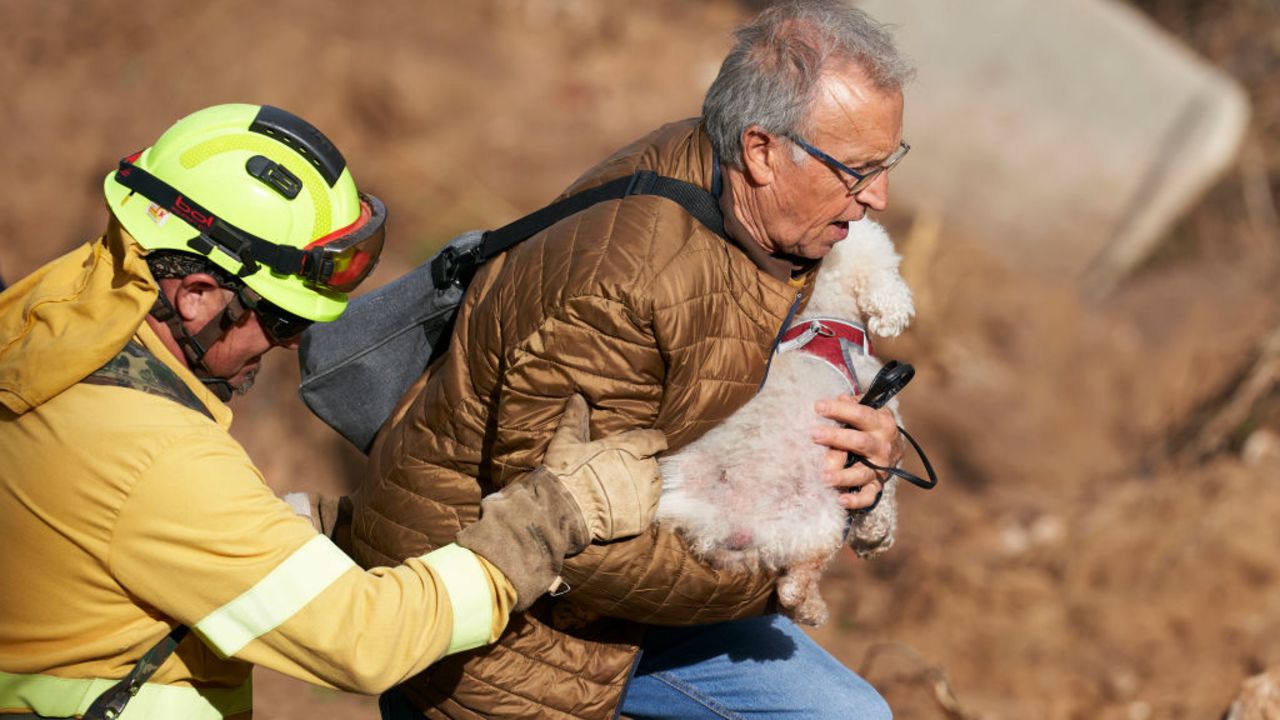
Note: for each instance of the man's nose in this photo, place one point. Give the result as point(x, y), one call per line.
point(876, 194)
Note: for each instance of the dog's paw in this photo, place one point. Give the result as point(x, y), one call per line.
point(872, 532)
point(800, 600)
point(798, 593)
point(888, 306)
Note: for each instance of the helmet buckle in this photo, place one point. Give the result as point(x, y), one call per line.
point(316, 267)
point(274, 175)
point(242, 251)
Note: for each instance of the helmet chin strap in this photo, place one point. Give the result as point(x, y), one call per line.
point(195, 346)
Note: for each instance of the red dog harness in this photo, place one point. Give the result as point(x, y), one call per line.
point(832, 341)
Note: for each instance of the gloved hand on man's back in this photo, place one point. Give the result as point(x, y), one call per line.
point(586, 491)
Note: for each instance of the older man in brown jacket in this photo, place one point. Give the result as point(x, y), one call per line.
point(659, 322)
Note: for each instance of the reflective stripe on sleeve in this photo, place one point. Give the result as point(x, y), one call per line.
point(51, 696)
point(284, 591)
point(470, 595)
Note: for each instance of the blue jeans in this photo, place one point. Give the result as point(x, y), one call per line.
point(763, 667)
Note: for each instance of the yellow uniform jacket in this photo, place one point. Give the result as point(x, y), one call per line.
point(124, 513)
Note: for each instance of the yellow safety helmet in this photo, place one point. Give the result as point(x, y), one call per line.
point(263, 195)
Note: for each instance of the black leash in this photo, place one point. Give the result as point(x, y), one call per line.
point(891, 379)
point(899, 472)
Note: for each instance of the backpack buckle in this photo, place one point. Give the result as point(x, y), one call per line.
point(451, 267)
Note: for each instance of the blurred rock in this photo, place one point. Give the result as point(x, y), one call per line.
point(1261, 448)
point(1140, 710)
point(1259, 698)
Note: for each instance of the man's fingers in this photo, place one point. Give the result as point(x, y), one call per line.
point(853, 476)
point(833, 460)
point(863, 497)
point(872, 446)
point(847, 410)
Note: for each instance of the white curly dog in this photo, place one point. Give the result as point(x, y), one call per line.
point(749, 493)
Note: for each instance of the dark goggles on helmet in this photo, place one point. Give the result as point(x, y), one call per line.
point(339, 261)
point(280, 325)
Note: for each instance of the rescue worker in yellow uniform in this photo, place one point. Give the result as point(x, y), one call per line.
point(128, 514)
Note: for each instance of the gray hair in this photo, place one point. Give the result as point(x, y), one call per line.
point(770, 76)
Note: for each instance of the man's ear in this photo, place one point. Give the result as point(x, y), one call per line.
point(199, 298)
point(761, 151)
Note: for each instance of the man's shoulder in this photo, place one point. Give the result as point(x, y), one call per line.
point(103, 439)
point(117, 417)
point(642, 242)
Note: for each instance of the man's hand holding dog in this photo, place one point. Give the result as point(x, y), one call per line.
point(871, 433)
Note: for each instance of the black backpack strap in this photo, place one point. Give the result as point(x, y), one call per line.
point(111, 703)
point(451, 267)
point(135, 367)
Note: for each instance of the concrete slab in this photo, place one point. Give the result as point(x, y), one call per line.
point(1069, 134)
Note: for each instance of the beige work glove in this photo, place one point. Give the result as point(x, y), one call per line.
point(598, 490)
point(331, 516)
point(526, 530)
point(614, 480)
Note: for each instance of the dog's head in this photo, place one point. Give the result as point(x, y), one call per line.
point(859, 280)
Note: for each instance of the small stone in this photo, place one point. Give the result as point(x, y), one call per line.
point(1259, 698)
point(1262, 447)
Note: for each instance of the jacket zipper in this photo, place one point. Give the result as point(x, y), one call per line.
point(786, 323)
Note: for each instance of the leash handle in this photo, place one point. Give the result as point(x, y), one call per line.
point(891, 379)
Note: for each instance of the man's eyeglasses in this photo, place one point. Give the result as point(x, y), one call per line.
point(280, 325)
point(860, 179)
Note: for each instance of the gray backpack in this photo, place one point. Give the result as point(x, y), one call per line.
point(355, 369)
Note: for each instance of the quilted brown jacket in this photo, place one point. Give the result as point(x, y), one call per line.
point(659, 322)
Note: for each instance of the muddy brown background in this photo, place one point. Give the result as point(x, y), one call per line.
point(1077, 560)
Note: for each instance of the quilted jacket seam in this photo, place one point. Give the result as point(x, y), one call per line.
point(415, 531)
point(540, 703)
point(553, 666)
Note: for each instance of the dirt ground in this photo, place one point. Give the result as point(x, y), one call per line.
point(1077, 561)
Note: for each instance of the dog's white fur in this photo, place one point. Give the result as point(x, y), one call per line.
point(749, 493)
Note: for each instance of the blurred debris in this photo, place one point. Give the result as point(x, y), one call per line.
point(1040, 531)
point(1261, 448)
point(1259, 198)
point(1140, 710)
point(926, 673)
point(1259, 698)
point(1221, 422)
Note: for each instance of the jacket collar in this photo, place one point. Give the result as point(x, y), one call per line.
point(68, 318)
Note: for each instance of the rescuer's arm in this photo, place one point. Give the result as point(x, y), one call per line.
point(203, 540)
